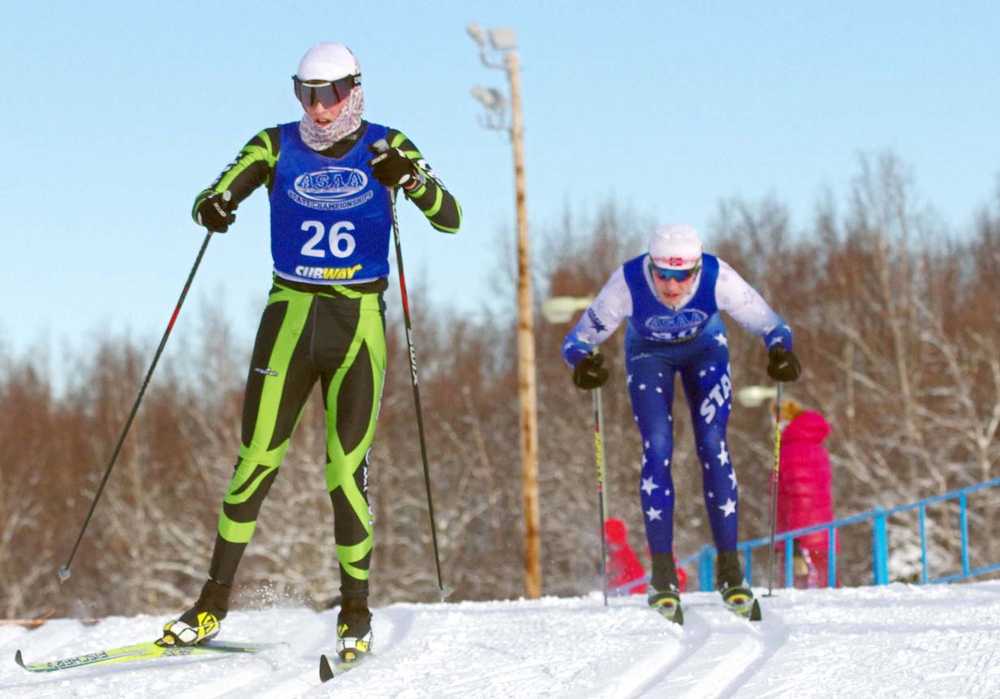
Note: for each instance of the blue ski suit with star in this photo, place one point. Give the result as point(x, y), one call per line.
point(689, 340)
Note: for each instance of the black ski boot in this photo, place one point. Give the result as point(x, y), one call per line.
point(354, 629)
point(664, 595)
point(735, 591)
point(202, 621)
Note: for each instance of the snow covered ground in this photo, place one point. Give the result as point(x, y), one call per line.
point(896, 641)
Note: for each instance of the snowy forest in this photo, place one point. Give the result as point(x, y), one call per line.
point(895, 316)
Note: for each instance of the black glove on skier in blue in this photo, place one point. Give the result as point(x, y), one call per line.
point(589, 373)
point(216, 212)
point(782, 364)
point(393, 169)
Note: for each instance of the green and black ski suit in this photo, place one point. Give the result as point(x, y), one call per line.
point(323, 322)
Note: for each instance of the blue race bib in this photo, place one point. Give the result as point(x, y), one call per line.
point(330, 218)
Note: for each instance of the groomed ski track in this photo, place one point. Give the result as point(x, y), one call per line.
point(892, 641)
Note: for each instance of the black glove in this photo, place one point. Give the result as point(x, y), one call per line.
point(216, 212)
point(782, 364)
point(393, 169)
point(589, 373)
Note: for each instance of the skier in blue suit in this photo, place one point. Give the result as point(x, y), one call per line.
point(672, 297)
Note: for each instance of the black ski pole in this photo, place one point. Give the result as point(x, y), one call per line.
point(64, 571)
point(381, 146)
point(602, 503)
point(775, 472)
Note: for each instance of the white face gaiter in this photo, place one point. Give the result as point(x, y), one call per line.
point(322, 137)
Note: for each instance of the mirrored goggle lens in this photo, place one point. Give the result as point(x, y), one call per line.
point(678, 275)
point(324, 93)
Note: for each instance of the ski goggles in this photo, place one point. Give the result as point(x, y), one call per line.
point(678, 275)
point(326, 93)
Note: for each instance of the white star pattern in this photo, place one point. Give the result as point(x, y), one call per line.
point(642, 387)
point(628, 381)
point(646, 444)
point(721, 339)
point(660, 374)
point(732, 477)
point(653, 514)
point(648, 486)
point(711, 495)
point(702, 372)
point(723, 455)
point(659, 390)
point(643, 459)
point(666, 492)
point(728, 507)
point(666, 462)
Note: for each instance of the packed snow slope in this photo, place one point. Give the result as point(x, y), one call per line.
point(895, 641)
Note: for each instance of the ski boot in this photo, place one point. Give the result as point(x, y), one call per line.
point(668, 605)
point(202, 621)
point(735, 591)
point(665, 597)
point(354, 630)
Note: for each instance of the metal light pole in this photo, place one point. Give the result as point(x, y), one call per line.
point(503, 42)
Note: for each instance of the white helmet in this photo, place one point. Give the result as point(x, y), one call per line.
point(675, 246)
point(328, 62)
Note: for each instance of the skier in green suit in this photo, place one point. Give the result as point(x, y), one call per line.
point(330, 192)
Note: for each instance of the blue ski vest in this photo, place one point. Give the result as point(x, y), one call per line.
point(330, 218)
point(653, 320)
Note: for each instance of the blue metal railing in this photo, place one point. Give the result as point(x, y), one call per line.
point(879, 519)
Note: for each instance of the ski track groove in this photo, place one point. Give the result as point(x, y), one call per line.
point(774, 633)
point(693, 638)
point(720, 639)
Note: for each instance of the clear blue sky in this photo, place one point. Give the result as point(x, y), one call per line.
point(117, 113)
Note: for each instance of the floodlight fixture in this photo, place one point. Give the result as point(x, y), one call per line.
point(752, 396)
point(490, 97)
point(561, 309)
point(503, 39)
point(476, 33)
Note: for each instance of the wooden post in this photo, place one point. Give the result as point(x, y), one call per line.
point(526, 390)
